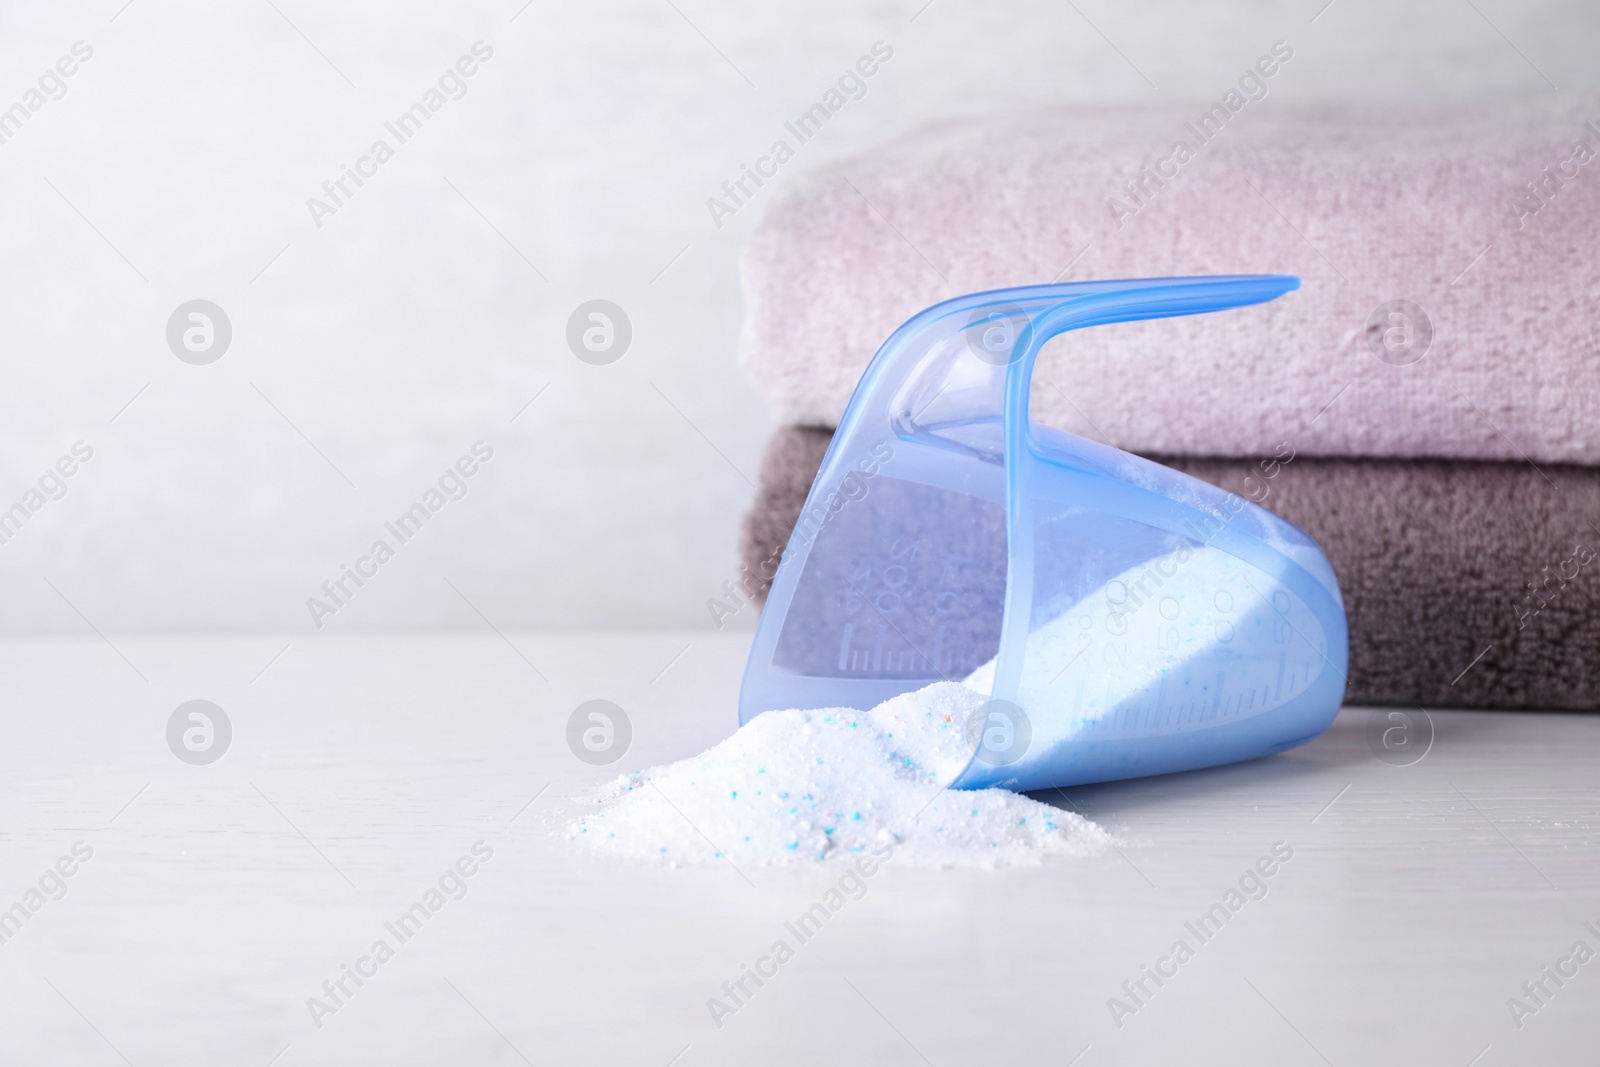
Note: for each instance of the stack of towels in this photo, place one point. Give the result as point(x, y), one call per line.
point(1427, 406)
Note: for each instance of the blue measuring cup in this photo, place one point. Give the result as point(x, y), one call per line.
point(1123, 618)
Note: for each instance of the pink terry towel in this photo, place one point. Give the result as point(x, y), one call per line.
point(1489, 223)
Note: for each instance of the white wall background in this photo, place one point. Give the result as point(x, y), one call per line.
point(425, 314)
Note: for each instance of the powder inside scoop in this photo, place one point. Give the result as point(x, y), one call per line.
point(808, 786)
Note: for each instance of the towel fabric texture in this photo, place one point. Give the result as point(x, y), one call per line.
point(1488, 222)
point(1467, 584)
point(1436, 378)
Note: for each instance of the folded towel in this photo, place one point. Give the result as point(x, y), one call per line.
point(1468, 584)
point(1488, 222)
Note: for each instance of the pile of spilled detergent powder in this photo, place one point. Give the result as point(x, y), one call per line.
point(796, 787)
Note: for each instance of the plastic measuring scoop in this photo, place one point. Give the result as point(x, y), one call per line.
point(1124, 618)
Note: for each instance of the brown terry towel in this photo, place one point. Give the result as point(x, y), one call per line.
point(1467, 584)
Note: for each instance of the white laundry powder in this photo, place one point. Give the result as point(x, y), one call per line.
point(1156, 616)
point(807, 786)
point(1149, 642)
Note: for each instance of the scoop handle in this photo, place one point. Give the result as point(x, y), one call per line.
point(1094, 304)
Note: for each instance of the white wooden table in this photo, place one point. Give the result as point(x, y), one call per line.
point(219, 898)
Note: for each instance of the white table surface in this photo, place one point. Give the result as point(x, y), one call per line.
point(222, 896)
